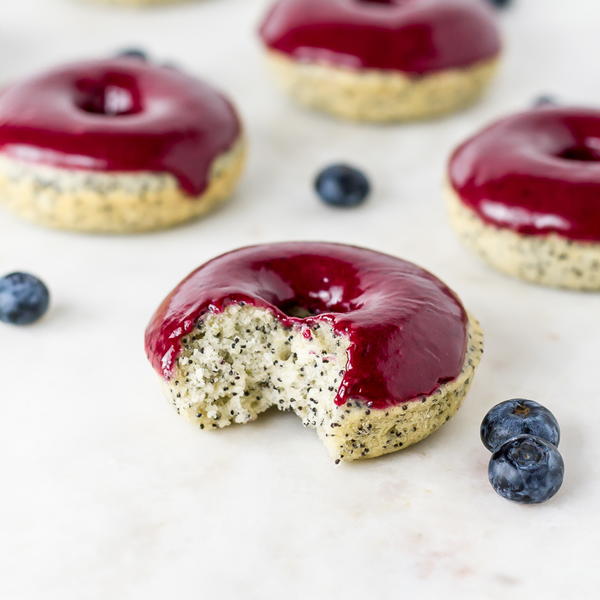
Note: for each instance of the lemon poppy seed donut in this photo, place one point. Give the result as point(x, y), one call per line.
point(373, 352)
point(524, 194)
point(117, 145)
point(382, 60)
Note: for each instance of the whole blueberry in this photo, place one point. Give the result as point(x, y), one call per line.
point(515, 417)
point(526, 469)
point(133, 53)
point(500, 3)
point(23, 299)
point(342, 185)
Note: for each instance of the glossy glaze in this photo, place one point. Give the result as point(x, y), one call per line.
point(407, 330)
point(536, 172)
point(119, 115)
point(413, 36)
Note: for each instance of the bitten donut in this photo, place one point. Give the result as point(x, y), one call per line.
point(525, 194)
point(382, 60)
point(372, 351)
point(118, 145)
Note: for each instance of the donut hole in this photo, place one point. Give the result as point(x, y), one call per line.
point(302, 308)
point(296, 310)
point(326, 285)
point(580, 154)
point(115, 95)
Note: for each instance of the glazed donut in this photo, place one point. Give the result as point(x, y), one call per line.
point(382, 60)
point(118, 145)
point(524, 193)
point(373, 352)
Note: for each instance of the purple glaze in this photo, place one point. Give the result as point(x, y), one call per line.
point(536, 172)
point(412, 36)
point(119, 115)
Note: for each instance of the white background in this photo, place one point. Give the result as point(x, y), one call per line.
point(105, 493)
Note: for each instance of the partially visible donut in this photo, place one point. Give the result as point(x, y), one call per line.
point(525, 194)
point(382, 60)
point(116, 145)
point(372, 351)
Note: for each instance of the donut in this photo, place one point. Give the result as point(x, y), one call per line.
point(382, 60)
point(116, 145)
point(524, 194)
point(373, 352)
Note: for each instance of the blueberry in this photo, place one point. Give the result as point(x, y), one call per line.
point(526, 469)
point(342, 185)
point(133, 53)
point(516, 417)
point(500, 3)
point(544, 100)
point(23, 299)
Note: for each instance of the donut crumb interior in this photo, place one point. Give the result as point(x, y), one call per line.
point(239, 363)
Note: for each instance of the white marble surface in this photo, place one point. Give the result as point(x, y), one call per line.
point(105, 493)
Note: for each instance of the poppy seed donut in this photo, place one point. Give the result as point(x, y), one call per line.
point(382, 60)
point(117, 145)
point(372, 351)
point(523, 193)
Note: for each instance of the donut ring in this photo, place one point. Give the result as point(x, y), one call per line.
point(382, 60)
point(372, 351)
point(116, 145)
point(524, 193)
